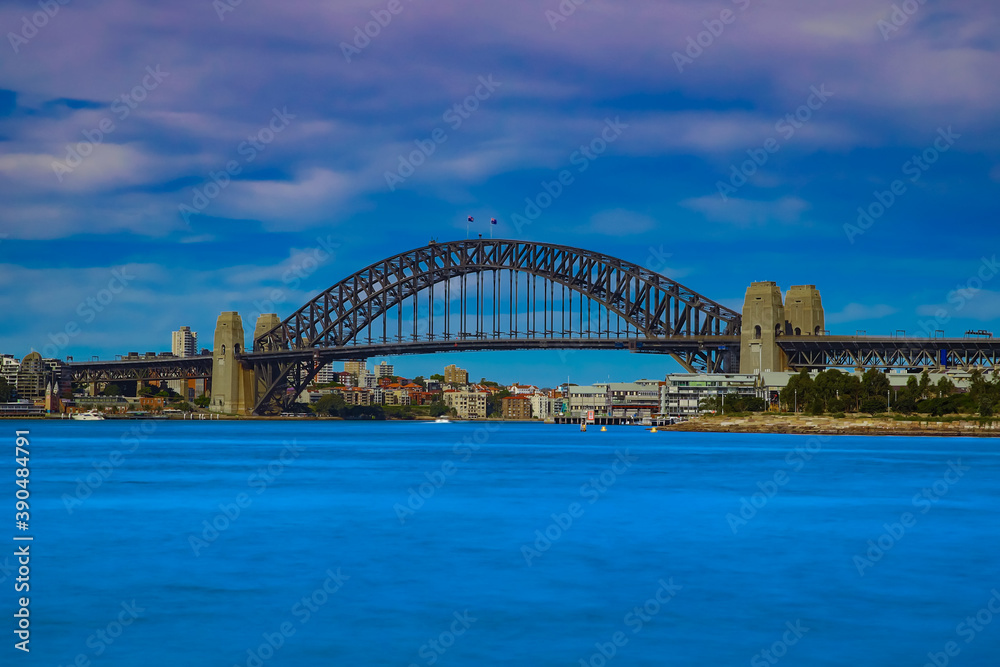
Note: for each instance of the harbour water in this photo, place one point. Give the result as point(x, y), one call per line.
point(403, 543)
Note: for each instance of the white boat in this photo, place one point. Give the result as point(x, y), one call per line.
point(442, 420)
point(89, 416)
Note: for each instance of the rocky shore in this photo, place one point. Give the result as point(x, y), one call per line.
point(838, 426)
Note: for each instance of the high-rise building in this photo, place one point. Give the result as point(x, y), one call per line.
point(455, 375)
point(184, 343)
point(325, 375)
point(31, 377)
point(384, 370)
point(355, 366)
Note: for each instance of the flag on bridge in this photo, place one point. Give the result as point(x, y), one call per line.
point(493, 221)
point(470, 219)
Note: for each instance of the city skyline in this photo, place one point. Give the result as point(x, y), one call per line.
point(191, 201)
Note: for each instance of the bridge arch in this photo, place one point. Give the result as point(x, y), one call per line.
point(650, 305)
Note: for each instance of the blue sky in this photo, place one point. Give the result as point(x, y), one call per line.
point(164, 98)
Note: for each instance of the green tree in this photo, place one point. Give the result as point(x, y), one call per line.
point(6, 391)
point(111, 390)
point(874, 385)
point(437, 377)
point(798, 392)
point(332, 404)
point(494, 403)
point(945, 387)
point(202, 401)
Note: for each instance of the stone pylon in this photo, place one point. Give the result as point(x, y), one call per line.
point(232, 385)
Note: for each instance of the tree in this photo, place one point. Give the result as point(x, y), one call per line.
point(874, 385)
point(494, 403)
point(945, 387)
point(437, 377)
point(332, 404)
point(202, 401)
point(420, 380)
point(798, 391)
point(6, 391)
point(111, 390)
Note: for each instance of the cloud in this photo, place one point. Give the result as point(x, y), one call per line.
point(745, 212)
point(854, 312)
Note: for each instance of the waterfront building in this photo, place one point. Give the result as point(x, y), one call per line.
point(384, 370)
point(455, 375)
point(583, 399)
point(184, 342)
point(516, 407)
point(682, 393)
point(468, 404)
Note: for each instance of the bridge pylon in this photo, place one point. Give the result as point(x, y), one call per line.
point(766, 319)
point(232, 384)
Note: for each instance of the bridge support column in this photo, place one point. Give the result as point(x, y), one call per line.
point(232, 385)
point(763, 321)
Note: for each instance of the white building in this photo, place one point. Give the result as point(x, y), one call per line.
point(682, 393)
point(9, 367)
point(325, 375)
point(384, 370)
point(184, 343)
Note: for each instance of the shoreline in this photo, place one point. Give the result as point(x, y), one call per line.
point(801, 425)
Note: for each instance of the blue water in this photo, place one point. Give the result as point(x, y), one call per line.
point(451, 583)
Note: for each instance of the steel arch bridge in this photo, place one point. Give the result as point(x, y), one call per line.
point(492, 294)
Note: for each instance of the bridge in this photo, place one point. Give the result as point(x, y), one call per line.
point(498, 294)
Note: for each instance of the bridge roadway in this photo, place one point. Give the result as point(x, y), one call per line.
point(175, 368)
point(811, 352)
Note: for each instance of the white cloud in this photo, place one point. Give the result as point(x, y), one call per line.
point(854, 312)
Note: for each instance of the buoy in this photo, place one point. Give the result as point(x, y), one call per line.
point(604, 428)
point(652, 430)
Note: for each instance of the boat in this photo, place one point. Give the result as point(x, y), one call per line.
point(89, 416)
point(442, 420)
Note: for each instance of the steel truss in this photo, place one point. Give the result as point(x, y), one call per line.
point(871, 352)
point(489, 294)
